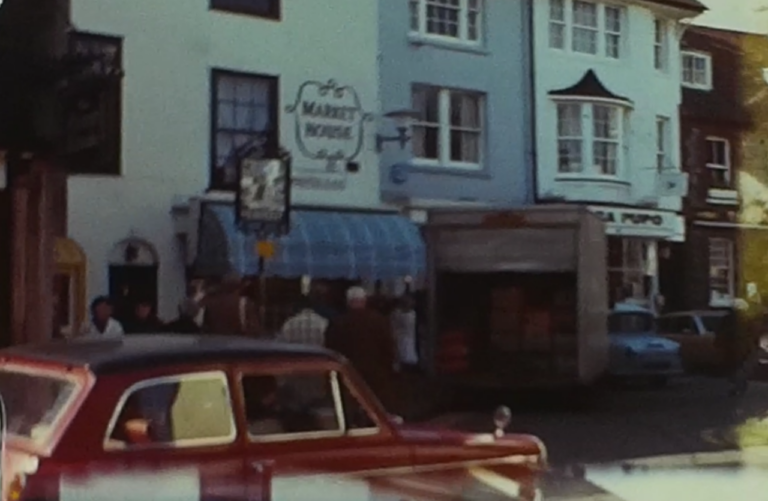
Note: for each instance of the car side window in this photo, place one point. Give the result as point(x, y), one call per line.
point(178, 411)
point(309, 404)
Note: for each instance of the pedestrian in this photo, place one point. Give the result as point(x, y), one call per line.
point(404, 328)
point(144, 319)
point(186, 322)
point(305, 327)
point(102, 324)
point(364, 337)
point(320, 295)
point(228, 311)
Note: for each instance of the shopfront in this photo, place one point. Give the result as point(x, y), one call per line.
point(637, 240)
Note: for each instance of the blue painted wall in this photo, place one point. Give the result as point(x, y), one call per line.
point(500, 68)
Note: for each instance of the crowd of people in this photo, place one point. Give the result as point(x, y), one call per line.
point(378, 335)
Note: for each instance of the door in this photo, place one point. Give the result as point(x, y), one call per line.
point(129, 284)
point(696, 349)
point(170, 438)
point(309, 432)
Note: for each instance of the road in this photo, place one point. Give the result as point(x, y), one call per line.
point(693, 415)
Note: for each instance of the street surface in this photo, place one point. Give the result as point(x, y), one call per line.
point(622, 424)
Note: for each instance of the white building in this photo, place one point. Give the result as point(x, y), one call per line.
point(201, 78)
point(607, 85)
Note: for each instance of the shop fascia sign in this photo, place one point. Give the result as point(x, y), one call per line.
point(630, 218)
point(329, 132)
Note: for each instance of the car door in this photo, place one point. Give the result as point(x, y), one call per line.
point(170, 438)
point(311, 431)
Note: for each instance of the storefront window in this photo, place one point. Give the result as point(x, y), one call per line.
point(721, 276)
point(632, 270)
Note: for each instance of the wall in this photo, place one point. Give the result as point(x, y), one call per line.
point(169, 50)
point(499, 68)
point(653, 93)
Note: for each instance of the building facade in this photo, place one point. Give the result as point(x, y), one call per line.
point(607, 91)
point(464, 69)
point(156, 204)
point(723, 125)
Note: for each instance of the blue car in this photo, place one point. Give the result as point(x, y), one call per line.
point(637, 350)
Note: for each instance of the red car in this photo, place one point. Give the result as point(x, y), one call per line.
point(216, 418)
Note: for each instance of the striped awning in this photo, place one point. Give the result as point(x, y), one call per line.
point(320, 244)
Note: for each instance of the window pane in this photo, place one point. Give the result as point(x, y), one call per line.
point(585, 40)
point(443, 17)
point(426, 101)
point(425, 142)
point(613, 19)
point(569, 155)
point(569, 120)
point(465, 110)
point(720, 268)
point(557, 10)
point(465, 147)
point(585, 14)
point(613, 46)
point(414, 11)
point(606, 123)
point(557, 35)
point(286, 404)
point(605, 155)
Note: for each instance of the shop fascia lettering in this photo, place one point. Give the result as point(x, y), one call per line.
point(629, 218)
point(327, 115)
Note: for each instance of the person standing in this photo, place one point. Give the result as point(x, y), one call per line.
point(186, 322)
point(228, 311)
point(364, 337)
point(404, 328)
point(305, 327)
point(102, 324)
point(144, 319)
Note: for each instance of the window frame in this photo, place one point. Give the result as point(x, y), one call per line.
point(663, 141)
point(726, 168)
point(707, 58)
point(273, 136)
point(731, 268)
point(445, 128)
point(588, 138)
point(337, 378)
point(274, 14)
point(418, 24)
point(660, 45)
point(602, 34)
point(110, 445)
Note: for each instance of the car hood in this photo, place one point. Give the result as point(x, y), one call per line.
point(437, 445)
point(642, 342)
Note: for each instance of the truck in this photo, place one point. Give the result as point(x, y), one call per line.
point(517, 299)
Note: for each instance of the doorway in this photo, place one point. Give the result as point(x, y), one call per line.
point(133, 271)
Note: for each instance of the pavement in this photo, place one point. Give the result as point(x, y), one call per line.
point(690, 426)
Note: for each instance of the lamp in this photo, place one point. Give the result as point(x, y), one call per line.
point(402, 119)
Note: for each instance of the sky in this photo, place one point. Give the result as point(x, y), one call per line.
point(741, 15)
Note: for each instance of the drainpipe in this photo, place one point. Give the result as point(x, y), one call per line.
point(534, 183)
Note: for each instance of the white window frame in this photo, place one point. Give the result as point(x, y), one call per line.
point(336, 380)
point(445, 128)
point(113, 445)
point(724, 167)
point(663, 142)
point(589, 167)
point(567, 25)
point(467, 8)
point(660, 44)
point(717, 299)
point(694, 55)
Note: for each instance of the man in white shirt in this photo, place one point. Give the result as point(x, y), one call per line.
point(102, 324)
point(306, 327)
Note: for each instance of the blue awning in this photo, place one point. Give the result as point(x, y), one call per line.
point(321, 244)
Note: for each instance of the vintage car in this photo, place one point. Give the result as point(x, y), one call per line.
point(636, 348)
point(182, 417)
point(695, 332)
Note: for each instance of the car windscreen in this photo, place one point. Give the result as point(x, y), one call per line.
point(34, 401)
point(630, 323)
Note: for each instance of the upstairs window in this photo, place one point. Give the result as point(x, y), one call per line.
point(261, 8)
point(697, 70)
point(587, 27)
point(589, 138)
point(660, 45)
point(663, 141)
point(459, 20)
point(719, 162)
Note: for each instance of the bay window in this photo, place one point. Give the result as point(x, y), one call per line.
point(449, 129)
point(589, 138)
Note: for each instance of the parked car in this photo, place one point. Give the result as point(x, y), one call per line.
point(695, 332)
point(172, 417)
point(636, 348)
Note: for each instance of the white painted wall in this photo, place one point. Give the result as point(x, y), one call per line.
point(653, 93)
point(169, 48)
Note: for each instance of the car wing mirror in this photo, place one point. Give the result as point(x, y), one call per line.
point(137, 431)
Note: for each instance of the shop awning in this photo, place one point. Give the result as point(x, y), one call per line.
point(320, 244)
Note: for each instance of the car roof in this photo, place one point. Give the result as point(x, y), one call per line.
point(696, 313)
point(630, 308)
point(140, 351)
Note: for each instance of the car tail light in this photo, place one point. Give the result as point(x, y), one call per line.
point(16, 488)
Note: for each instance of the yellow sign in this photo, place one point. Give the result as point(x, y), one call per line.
point(265, 249)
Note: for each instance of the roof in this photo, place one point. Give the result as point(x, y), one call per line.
point(589, 86)
point(133, 352)
point(693, 5)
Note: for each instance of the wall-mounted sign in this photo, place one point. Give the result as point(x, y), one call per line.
point(641, 222)
point(329, 124)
